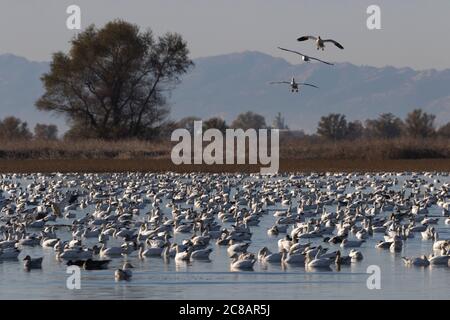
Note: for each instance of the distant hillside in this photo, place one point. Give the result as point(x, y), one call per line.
point(20, 86)
point(228, 84)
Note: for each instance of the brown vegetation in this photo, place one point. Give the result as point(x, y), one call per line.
point(291, 148)
point(162, 165)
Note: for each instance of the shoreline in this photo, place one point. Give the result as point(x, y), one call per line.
point(164, 165)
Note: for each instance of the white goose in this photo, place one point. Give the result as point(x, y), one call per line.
point(305, 57)
point(421, 261)
point(320, 43)
point(351, 243)
point(201, 254)
point(441, 260)
point(439, 244)
point(317, 262)
point(293, 258)
point(266, 256)
point(9, 253)
point(355, 255)
point(182, 255)
point(238, 263)
point(110, 252)
point(152, 250)
point(237, 248)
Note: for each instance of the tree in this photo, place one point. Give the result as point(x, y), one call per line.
point(12, 128)
point(45, 132)
point(215, 123)
point(444, 131)
point(113, 82)
point(187, 123)
point(387, 126)
point(333, 126)
point(419, 124)
point(279, 123)
point(249, 120)
point(355, 130)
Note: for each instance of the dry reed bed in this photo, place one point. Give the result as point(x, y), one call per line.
point(290, 148)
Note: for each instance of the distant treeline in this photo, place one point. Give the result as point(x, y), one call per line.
point(334, 127)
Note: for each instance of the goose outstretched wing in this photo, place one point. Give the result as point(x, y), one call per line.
point(308, 84)
point(279, 82)
point(304, 38)
point(303, 55)
point(337, 44)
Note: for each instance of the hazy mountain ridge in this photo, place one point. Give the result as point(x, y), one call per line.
point(228, 84)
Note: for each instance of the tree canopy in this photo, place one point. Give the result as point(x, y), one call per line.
point(385, 126)
point(115, 80)
point(333, 126)
point(249, 120)
point(12, 128)
point(420, 124)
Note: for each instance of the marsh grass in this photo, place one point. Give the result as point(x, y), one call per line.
point(305, 148)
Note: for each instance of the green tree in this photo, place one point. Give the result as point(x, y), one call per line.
point(45, 132)
point(333, 126)
point(114, 81)
point(419, 124)
point(12, 128)
point(249, 120)
point(386, 126)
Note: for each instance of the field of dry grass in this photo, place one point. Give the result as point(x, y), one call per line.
point(297, 154)
point(290, 148)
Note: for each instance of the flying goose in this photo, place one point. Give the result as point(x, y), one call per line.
point(305, 57)
point(320, 43)
point(293, 84)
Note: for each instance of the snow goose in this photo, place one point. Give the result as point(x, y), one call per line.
point(202, 254)
point(355, 255)
point(418, 261)
point(351, 243)
point(9, 253)
point(320, 43)
point(305, 57)
point(266, 256)
point(241, 263)
point(293, 258)
point(295, 87)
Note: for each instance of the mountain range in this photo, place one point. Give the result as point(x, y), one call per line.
point(229, 84)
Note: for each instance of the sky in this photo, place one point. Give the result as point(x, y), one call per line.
point(414, 33)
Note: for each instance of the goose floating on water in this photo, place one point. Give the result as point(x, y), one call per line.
point(125, 273)
point(30, 263)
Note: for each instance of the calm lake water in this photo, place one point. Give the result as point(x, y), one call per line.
point(155, 279)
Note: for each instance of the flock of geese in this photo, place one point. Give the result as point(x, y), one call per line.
point(319, 220)
point(320, 45)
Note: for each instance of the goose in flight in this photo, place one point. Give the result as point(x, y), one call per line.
point(320, 43)
point(305, 57)
point(294, 85)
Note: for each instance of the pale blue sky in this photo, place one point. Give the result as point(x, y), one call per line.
point(414, 33)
